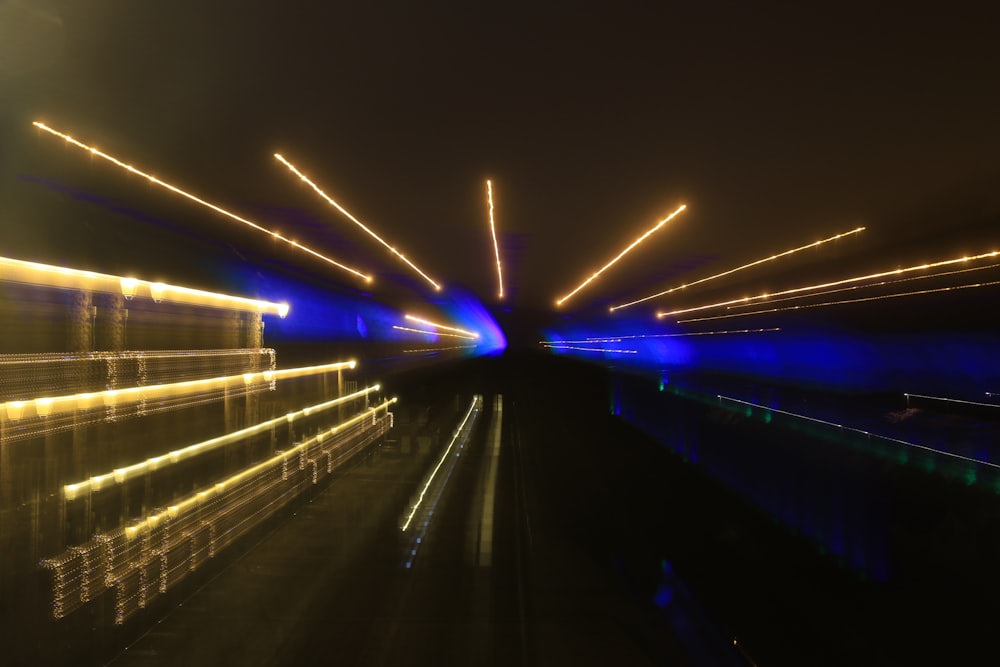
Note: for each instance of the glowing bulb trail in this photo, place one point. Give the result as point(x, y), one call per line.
point(493, 231)
point(218, 209)
point(835, 283)
point(738, 268)
point(433, 333)
point(442, 326)
point(842, 302)
point(607, 266)
point(360, 224)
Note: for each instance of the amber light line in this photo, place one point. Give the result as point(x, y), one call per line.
point(738, 268)
point(493, 231)
point(607, 266)
point(53, 405)
point(122, 475)
point(433, 333)
point(360, 224)
point(442, 326)
point(835, 283)
point(34, 273)
point(152, 179)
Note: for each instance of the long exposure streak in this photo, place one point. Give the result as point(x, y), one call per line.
point(121, 475)
point(607, 266)
point(841, 302)
point(442, 326)
point(493, 231)
point(857, 430)
point(738, 268)
point(444, 457)
point(433, 333)
point(810, 288)
point(611, 350)
point(33, 273)
point(187, 195)
point(47, 406)
point(618, 339)
point(360, 224)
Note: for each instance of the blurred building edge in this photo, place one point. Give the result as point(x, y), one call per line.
point(76, 351)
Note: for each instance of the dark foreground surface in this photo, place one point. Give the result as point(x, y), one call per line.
point(601, 546)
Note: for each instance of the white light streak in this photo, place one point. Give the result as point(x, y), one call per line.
point(198, 200)
point(738, 268)
point(493, 231)
point(444, 457)
point(835, 283)
point(855, 430)
point(607, 266)
point(952, 400)
point(559, 346)
point(360, 224)
point(442, 326)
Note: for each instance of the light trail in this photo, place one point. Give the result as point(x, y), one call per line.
point(442, 326)
point(433, 333)
point(122, 475)
point(559, 346)
point(738, 268)
point(218, 209)
point(34, 273)
point(950, 400)
point(841, 302)
point(835, 283)
point(607, 266)
point(882, 283)
point(493, 231)
point(856, 430)
point(360, 224)
point(441, 349)
point(619, 339)
point(48, 406)
point(444, 457)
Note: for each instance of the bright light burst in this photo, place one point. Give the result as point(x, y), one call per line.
point(360, 224)
point(493, 231)
point(152, 179)
point(845, 281)
point(442, 326)
point(607, 266)
point(738, 268)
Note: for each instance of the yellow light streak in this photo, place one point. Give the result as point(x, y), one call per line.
point(444, 457)
point(192, 501)
point(121, 475)
point(835, 283)
point(442, 326)
point(881, 283)
point(440, 349)
point(218, 209)
point(360, 224)
point(493, 231)
point(49, 405)
point(607, 266)
point(738, 268)
point(33, 273)
point(842, 302)
point(433, 333)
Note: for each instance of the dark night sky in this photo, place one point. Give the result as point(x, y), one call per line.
point(776, 126)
